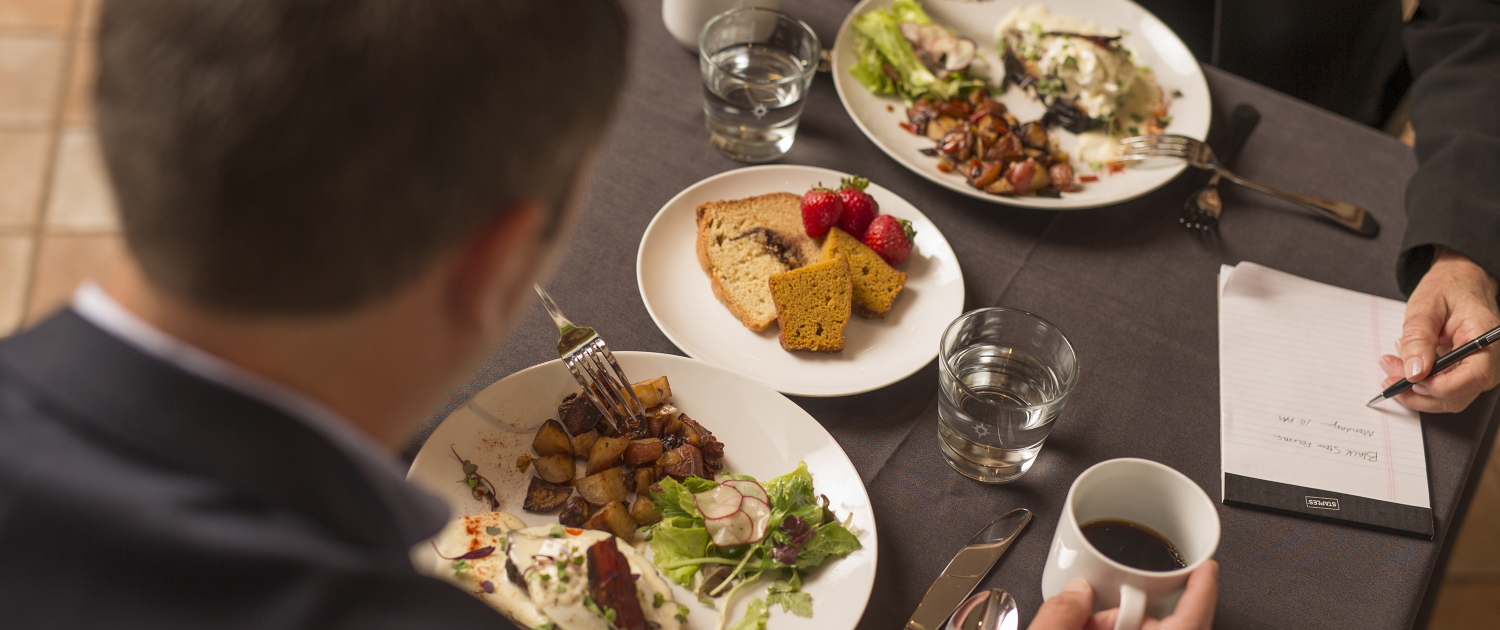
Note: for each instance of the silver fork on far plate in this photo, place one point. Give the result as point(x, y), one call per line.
point(595, 369)
point(1198, 154)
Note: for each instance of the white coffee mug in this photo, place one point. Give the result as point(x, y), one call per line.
point(1146, 493)
point(684, 18)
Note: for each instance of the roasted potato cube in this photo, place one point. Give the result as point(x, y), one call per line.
point(644, 511)
point(644, 477)
point(606, 453)
point(542, 496)
point(583, 443)
point(615, 519)
point(555, 468)
point(578, 413)
point(604, 487)
point(645, 451)
point(551, 440)
point(682, 462)
point(575, 512)
point(1033, 134)
point(653, 392)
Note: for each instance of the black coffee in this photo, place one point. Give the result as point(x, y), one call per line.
point(1133, 545)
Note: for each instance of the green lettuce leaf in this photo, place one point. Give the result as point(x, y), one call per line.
point(755, 616)
point(790, 598)
point(677, 539)
point(831, 540)
point(878, 41)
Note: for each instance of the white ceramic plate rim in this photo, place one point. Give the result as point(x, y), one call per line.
point(1191, 114)
point(943, 283)
point(840, 589)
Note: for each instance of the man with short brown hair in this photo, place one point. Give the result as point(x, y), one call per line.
point(334, 210)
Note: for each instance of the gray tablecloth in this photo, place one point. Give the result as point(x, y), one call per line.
point(1133, 290)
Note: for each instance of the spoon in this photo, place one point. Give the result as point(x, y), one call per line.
point(1202, 209)
point(992, 609)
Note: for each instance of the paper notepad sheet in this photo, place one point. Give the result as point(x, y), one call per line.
point(1297, 363)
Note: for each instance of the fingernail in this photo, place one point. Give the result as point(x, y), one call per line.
point(1413, 367)
point(1077, 585)
point(1421, 389)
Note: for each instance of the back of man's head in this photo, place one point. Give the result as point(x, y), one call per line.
point(312, 156)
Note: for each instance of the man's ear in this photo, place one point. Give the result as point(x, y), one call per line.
point(493, 271)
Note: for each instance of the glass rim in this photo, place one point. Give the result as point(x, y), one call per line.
point(809, 66)
point(948, 369)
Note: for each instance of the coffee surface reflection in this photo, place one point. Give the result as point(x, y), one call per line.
point(1133, 545)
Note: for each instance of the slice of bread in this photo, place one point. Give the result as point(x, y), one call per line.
point(876, 283)
point(743, 242)
point(813, 305)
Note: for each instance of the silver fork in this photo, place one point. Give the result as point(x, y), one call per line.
point(1197, 153)
point(595, 369)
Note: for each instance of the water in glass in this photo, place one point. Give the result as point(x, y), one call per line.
point(992, 428)
point(752, 112)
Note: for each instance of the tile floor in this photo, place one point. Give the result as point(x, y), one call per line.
point(58, 228)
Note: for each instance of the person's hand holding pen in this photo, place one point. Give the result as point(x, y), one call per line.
point(1453, 303)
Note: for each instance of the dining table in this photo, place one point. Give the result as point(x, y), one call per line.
point(1133, 290)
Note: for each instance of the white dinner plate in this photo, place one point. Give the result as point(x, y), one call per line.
point(876, 352)
point(1158, 47)
point(764, 436)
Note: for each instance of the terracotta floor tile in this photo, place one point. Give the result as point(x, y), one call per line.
point(23, 162)
point(44, 15)
point(1471, 606)
point(1476, 551)
point(15, 274)
point(78, 108)
point(81, 200)
point(66, 260)
point(30, 68)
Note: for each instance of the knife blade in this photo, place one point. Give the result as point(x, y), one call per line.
point(967, 569)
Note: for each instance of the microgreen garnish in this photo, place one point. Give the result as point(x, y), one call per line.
point(682, 613)
point(493, 531)
point(658, 601)
point(481, 488)
point(557, 531)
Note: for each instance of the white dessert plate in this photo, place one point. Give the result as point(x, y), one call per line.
point(764, 436)
point(1158, 47)
point(876, 352)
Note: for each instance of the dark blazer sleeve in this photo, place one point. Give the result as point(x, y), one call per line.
point(1453, 200)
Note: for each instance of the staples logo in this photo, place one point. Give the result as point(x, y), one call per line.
point(1322, 503)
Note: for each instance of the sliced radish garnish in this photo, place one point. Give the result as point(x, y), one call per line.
point(718, 502)
point(930, 32)
point(962, 55)
point(760, 517)
point(749, 488)
point(912, 32)
point(731, 530)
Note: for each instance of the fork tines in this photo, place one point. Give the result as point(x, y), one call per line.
point(595, 369)
point(1165, 145)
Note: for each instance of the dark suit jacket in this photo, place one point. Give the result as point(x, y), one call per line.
point(135, 495)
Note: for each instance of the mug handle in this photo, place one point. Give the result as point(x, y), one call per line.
point(1132, 608)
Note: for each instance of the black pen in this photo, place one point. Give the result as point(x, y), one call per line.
point(1443, 363)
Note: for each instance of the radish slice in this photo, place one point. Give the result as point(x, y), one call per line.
point(930, 32)
point(961, 56)
point(731, 530)
point(942, 47)
point(749, 489)
point(760, 517)
point(718, 502)
point(912, 32)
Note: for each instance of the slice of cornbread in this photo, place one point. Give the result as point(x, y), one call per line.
point(876, 283)
point(742, 242)
point(813, 305)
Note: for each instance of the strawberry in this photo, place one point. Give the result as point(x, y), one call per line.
point(821, 209)
point(891, 238)
point(859, 207)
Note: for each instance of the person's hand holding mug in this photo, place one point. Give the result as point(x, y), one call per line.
point(1072, 608)
point(1453, 303)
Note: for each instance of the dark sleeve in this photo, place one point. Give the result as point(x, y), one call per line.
point(1453, 200)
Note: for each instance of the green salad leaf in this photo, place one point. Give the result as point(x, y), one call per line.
point(801, 535)
point(878, 43)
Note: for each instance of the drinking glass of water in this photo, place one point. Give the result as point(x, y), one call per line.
point(1004, 376)
point(757, 64)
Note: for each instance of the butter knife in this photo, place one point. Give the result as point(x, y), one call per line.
point(967, 569)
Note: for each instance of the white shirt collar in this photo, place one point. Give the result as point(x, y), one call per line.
point(418, 514)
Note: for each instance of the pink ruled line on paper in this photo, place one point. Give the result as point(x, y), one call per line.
point(1385, 429)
